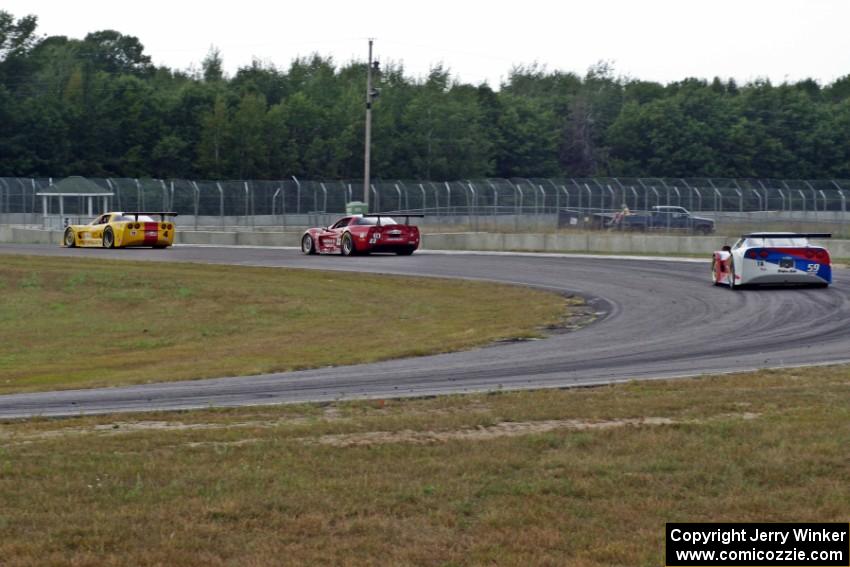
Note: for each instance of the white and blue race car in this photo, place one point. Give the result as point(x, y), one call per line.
point(773, 258)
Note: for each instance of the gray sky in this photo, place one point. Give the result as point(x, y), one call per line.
point(661, 40)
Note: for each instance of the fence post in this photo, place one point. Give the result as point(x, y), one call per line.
point(23, 194)
point(422, 188)
point(406, 196)
point(517, 204)
point(557, 194)
point(718, 197)
point(164, 195)
point(298, 197)
point(531, 186)
point(283, 204)
point(220, 203)
point(114, 192)
point(690, 194)
point(398, 190)
point(247, 199)
point(8, 197)
point(756, 193)
point(274, 200)
point(197, 201)
point(578, 190)
point(495, 197)
point(766, 200)
point(324, 197)
point(566, 196)
point(814, 196)
point(377, 197)
point(766, 196)
point(782, 196)
point(542, 212)
point(645, 194)
point(436, 198)
point(622, 188)
point(613, 197)
point(472, 209)
point(840, 194)
point(803, 199)
point(139, 202)
point(34, 191)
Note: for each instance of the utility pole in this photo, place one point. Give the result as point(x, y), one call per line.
point(370, 95)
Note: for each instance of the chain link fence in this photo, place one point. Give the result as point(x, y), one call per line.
point(243, 202)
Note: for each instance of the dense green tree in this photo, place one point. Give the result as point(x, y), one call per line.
point(247, 137)
point(213, 144)
point(114, 52)
point(213, 66)
point(97, 106)
point(17, 37)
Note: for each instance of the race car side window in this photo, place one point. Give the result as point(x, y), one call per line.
point(342, 222)
point(739, 243)
point(102, 220)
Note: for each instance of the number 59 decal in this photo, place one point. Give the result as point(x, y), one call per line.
point(812, 268)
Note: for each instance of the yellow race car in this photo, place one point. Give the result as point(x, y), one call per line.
point(121, 230)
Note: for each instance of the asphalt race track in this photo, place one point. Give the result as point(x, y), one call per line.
point(657, 319)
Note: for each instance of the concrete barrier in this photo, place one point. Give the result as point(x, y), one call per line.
point(486, 241)
point(19, 235)
point(605, 243)
point(268, 238)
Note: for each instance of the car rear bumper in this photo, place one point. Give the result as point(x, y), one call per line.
point(392, 246)
point(785, 279)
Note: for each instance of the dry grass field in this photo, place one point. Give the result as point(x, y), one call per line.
point(583, 477)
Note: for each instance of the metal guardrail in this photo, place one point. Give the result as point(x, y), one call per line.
point(478, 197)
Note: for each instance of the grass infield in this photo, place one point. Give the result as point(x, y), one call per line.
point(584, 477)
point(71, 323)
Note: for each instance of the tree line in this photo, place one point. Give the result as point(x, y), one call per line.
point(99, 107)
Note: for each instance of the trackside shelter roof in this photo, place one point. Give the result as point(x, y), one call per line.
point(75, 186)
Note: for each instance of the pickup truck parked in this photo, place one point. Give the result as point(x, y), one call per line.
point(659, 218)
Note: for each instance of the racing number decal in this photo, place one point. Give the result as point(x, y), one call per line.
point(813, 268)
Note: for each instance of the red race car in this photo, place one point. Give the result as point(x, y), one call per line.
point(362, 234)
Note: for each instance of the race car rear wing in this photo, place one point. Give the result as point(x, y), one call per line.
point(406, 216)
point(788, 235)
point(161, 214)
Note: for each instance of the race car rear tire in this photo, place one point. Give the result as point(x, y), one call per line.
point(70, 238)
point(108, 238)
point(732, 285)
point(346, 248)
point(714, 271)
point(307, 245)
